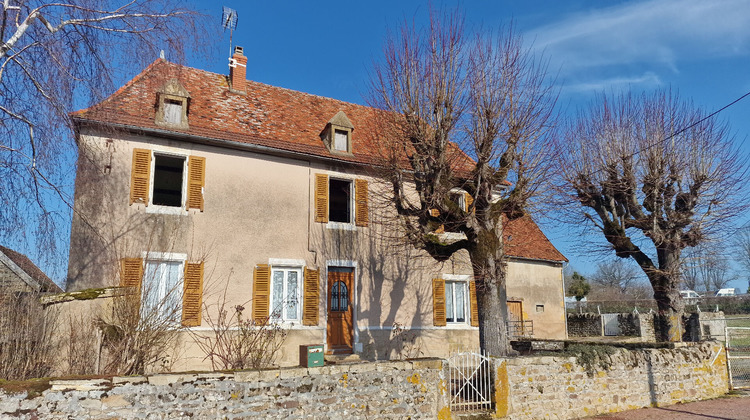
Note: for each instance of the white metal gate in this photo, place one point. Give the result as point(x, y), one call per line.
point(470, 379)
point(738, 356)
point(611, 324)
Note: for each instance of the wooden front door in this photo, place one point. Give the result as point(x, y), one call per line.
point(515, 311)
point(340, 325)
point(515, 319)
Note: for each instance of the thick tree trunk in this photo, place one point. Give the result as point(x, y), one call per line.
point(669, 304)
point(490, 275)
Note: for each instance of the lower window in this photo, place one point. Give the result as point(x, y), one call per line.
point(285, 283)
point(455, 301)
point(162, 290)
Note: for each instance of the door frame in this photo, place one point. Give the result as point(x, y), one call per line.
point(356, 346)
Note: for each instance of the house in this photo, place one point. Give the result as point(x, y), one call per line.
point(222, 187)
point(19, 274)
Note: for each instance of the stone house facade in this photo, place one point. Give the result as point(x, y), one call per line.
point(229, 190)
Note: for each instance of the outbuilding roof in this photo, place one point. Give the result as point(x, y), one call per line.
point(18, 261)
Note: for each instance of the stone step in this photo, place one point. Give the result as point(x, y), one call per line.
point(342, 358)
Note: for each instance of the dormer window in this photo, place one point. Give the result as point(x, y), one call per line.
point(341, 141)
point(337, 134)
point(172, 106)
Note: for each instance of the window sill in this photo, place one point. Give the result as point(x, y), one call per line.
point(176, 211)
point(459, 326)
point(341, 226)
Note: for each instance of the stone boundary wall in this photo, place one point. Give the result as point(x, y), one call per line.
point(526, 388)
point(584, 325)
point(557, 387)
point(366, 390)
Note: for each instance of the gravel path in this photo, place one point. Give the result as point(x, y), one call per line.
point(732, 407)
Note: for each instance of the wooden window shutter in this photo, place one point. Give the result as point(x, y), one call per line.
point(438, 302)
point(192, 296)
point(440, 228)
point(311, 297)
point(195, 182)
point(261, 292)
point(321, 198)
point(360, 202)
point(131, 272)
point(140, 176)
point(473, 303)
point(469, 200)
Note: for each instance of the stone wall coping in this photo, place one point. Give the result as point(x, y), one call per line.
point(263, 375)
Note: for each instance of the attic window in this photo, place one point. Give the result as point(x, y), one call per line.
point(337, 134)
point(172, 111)
point(341, 141)
point(172, 105)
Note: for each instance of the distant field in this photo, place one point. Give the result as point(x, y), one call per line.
point(738, 321)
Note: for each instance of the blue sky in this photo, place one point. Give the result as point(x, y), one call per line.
point(700, 48)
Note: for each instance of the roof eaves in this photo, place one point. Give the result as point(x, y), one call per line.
point(193, 138)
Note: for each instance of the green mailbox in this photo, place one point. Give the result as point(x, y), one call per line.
point(311, 355)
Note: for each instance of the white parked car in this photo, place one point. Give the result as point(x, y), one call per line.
point(689, 294)
point(726, 292)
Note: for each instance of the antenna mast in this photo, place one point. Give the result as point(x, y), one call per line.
point(229, 20)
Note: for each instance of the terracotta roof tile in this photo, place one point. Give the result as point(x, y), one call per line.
point(266, 115)
point(524, 239)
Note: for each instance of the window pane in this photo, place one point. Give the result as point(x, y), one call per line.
point(449, 313)
point(150, 287)
point(168, 173)
point(162, 291)
point(340, 141)
point(335, 297)
point(277, 293)
point(291, 296)
point(460, 301)
point(339, 201)
point(343, 297)
point(172, 288)
point(172, 111)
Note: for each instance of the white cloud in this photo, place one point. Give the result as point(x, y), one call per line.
point(661, 32)
point(648, 79)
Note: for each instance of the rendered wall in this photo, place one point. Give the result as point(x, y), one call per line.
point(260, 207)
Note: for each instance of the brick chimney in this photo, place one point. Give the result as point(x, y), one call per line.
point(237, 71)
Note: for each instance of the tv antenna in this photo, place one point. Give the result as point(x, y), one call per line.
point(229, 20)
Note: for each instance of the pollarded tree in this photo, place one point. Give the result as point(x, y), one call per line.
point(655, 176)
point(56, 57)
point(492, 98)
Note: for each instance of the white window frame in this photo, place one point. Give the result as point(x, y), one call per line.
point(162, 209)
point(286, 266)
point(352, 207)
point(163, 257)
point(452, 297)
point(463, 279)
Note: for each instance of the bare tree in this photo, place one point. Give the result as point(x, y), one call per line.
point(56, 57)
point(490, 96)
point(655, 176)
point(704, 268)
point(616, 274)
